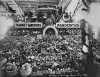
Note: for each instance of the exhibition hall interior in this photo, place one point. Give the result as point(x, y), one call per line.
point(49, 38)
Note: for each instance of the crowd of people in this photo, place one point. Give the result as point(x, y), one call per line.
point(43, 56)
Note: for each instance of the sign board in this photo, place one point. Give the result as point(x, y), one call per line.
point(28, 25)
point(67, 25)
point(34, 25)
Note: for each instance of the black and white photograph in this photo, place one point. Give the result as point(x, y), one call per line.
point(49, 38)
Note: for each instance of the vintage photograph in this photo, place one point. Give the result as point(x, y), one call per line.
point(49, 38)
